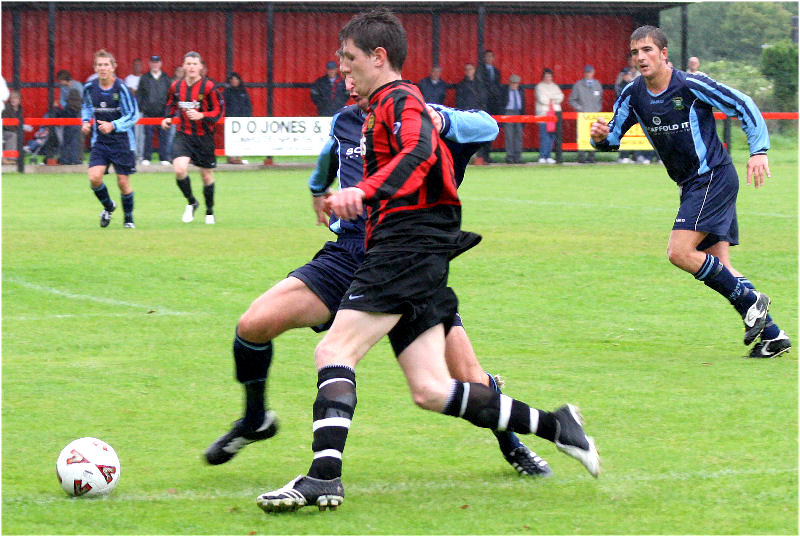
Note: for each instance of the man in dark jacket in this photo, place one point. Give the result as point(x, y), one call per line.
point(152, 97)
point(433, 87)
point(328, 91)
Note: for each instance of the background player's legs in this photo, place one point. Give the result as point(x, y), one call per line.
point(288, 304)
point(708, 268)
point(101, 192)
point(463, 365)
point(181, 167)
point(721, 250)
point(124, 184)
point(208, 192)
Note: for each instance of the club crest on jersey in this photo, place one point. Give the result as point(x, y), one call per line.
point(677, 103)
point(656, 120)
point(116, 97)
point(370, 121)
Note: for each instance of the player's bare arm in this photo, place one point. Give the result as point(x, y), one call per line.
point(757, 167)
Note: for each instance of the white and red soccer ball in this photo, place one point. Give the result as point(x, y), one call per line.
point(88, 467)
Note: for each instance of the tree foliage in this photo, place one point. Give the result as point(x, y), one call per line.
point(779, 63)
point(733, 31)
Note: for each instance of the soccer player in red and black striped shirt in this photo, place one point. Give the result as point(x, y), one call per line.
point(400, 289)
point(195, 105)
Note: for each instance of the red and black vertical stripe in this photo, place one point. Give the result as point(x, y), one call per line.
point(204, 96)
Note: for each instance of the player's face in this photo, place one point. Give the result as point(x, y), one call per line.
point(192, 67)
point(362, 102)
point(358, 65)
point(104, 68)
point(648, 58)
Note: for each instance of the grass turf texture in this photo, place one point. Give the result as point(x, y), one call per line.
point(126, 335)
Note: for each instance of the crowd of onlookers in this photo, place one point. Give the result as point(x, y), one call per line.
point(482, 88)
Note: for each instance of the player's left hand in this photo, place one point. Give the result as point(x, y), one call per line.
point(347, 203)
point(322, 208)
point(435, 117)
point(194, 115)
point(757, 166)
point(106, 127)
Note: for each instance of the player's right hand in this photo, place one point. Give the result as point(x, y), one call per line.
point(347, 203)
point(599, 130)
point(322, 208)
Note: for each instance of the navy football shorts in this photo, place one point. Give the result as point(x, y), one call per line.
point(330, 274)
point(123, 159)
point(708, 204)
point(199, 149)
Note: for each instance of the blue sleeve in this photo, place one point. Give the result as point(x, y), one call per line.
point(733, 102)
point(129, 109)
point(87, 109)
point(466, 126)
point(323, 175)
point(623, 119)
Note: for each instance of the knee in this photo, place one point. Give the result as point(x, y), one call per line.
point(430, 395)
point(252, 328)
point(677, 256)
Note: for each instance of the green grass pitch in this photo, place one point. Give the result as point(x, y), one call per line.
point(126, 335)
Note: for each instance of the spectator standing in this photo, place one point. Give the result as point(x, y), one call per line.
point(132, 81)
point(489, 77)
point(4, 93)
point(11, 132)
point(586, 96)
point(195, 105)
point(514, 98)
point(71, 144)
point(693, 66)
point(433, 87)
point(152, 97)
point(66, 83)
point(471, 95)
point(237, 103)
point(328, 92)
point(548, 100)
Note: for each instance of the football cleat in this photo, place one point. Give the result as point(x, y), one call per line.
point(572, 439)
point(105, 216)
point(129, 225)
point(188, 213)
point(755, 318)
point(210, 219)
point(228, 445)
point(527, 462)
point(770, 348)
point(301, 491)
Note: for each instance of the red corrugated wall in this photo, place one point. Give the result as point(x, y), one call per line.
point(304, 42)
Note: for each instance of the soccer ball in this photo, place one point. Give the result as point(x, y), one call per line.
point(88, 467)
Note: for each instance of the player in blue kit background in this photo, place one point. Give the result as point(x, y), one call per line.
point(674, 109)
point(109, 111)
point(310, 295)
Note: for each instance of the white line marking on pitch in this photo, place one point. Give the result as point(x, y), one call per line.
point(101, 300)
point(398, 487)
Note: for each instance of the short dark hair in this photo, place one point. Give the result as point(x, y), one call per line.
point(63, 74)
point(378, 28)
point(546, 71)
point(193, 54)
point(653, 32)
